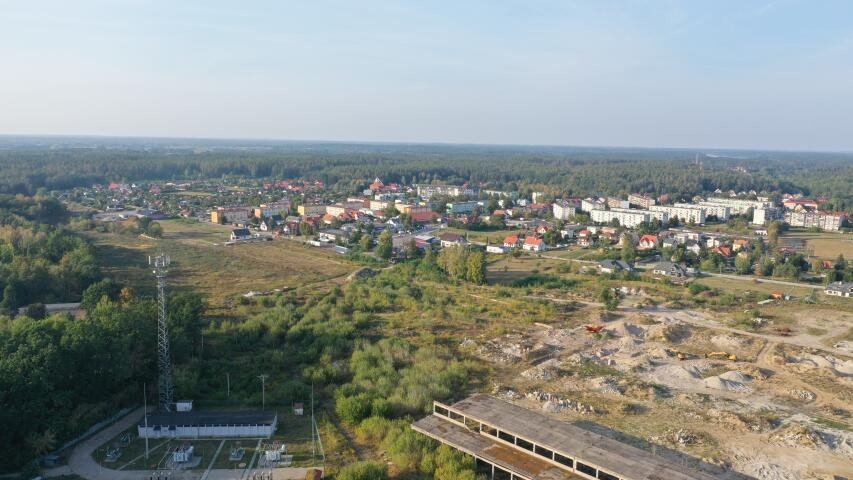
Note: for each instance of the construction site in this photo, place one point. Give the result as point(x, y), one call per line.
point(770, 405)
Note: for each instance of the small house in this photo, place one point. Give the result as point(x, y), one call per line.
point(450, 239)
point(511, 241)
point(648, 242)
point(669, 269)
point(839, 289)
point(584, 238)
point(241, 234)
point(613, 266)
point(533, 244)
point(740, 244)
point(670, 243)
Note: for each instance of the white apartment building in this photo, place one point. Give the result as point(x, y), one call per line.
point(614, 202)
point(823, 220)
point(763, 216)
point(429, 190)
point(627, 217)
point(563, 210)
point(738, 206)
point(685, 213)
point(722, 212)
point(377, 205)
point(269, 209)
point(642, 201)
point(590, 204)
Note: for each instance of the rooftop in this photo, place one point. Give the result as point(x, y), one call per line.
point(493, 452)
point(198, 418)
point(626, 461)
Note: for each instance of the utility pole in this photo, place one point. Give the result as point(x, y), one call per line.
point(263, 378)
point(313, 443)
point(145, 402)
point(227, 385)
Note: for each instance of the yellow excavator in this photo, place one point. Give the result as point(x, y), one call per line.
point(721, 355)
point(674, 352)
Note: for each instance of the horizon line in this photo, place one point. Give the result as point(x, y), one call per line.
point(424, 143)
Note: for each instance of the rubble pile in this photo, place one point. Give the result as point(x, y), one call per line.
point(552, 403)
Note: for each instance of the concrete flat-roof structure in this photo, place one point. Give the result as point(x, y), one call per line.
point(517, 443)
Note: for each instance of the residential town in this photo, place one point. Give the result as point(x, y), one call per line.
point(722, 233)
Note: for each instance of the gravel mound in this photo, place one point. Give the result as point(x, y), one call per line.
point(730, 381)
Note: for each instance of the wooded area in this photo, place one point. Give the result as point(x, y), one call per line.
point(350, 167)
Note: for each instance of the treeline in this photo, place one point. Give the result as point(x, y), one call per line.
point(557, 170)
point(40, 262)
point(59, 375)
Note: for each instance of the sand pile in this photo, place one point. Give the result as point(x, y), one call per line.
point(837, 366)
point(799, 435)
point(676, 376)
point(606, 385)
point(728, 342)
point(673, 332)
point(631, 330)
point(844, 345)
point(802, 394)
point(731, 381)
point(546, 370)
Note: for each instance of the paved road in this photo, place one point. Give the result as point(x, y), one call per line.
point(710, 274)
point(761, 280)
point(81, 462)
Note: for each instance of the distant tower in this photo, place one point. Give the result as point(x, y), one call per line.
point(164, 358)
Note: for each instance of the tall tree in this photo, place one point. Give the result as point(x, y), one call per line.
point(385, 247)
point(629, 253)
point(476, 267)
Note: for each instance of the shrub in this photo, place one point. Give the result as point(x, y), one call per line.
point(353, 409)
point(697, 288)
point(381, 408)
point(36, 311)
point(363, 471)
point(544, 281)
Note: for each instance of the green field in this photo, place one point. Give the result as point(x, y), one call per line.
point(748, 283)
point(202, 262)
point(491, 237)
point(826, 245)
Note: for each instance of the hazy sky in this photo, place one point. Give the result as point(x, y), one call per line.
point(743, 74)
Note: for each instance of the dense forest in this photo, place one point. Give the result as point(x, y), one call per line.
point(30, 166)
